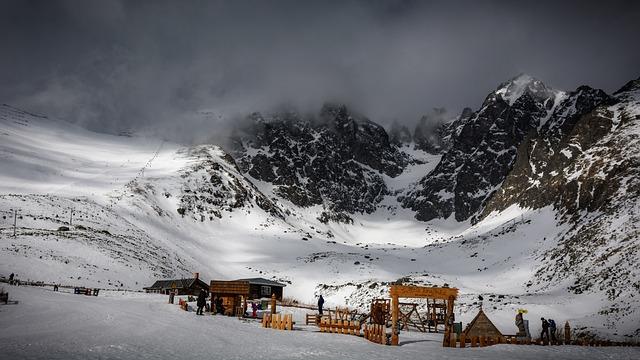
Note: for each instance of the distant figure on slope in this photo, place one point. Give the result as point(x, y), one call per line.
point(201, 302)
point(254, 308)
point(552, 331)
point(11, 278)
point(545, 330)
point(320, 304)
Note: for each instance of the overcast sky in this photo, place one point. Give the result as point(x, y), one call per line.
point(115, 65)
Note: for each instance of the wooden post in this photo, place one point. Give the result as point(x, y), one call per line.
point(482, 341)
point(273, 303)
point(452, 340)
point(448, 320)
point(15, 221)
point(463, 339)
point(567, 333)
point(474, 341)
point(394, 320)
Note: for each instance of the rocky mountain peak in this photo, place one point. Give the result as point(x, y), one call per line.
point(513, 89)
point(632, 86)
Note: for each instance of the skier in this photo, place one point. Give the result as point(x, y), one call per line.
point(320, 304)
point(11, 278)
point(545, 330)
point(201, 302)
point(552, 331)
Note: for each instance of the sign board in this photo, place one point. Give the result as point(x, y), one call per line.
point(422, 292)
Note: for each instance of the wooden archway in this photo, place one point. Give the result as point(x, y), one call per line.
point(396, 292)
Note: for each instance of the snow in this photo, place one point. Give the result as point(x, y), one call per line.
point(118, 185)
point(118, 325)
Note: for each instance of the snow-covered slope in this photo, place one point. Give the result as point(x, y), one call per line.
point(145, 209)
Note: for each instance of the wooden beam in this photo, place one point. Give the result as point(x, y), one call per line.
point(422, 292)
point(394, 320)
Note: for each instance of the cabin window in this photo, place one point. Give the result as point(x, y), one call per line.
point(265, 290)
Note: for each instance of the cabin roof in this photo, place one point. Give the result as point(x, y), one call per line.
point(180, 283)
point(263, 281)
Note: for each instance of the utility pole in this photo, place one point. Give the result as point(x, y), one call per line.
point(15, 221)
point(71, 217)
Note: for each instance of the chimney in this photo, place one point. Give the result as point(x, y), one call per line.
point(196, 275)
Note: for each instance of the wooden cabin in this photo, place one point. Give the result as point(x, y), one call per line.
point(236, 293)
point(190, 286)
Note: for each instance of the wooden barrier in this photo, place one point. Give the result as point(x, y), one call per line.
point(346, 327)
point(312, 319)
point(277, 321)
point(375, 333)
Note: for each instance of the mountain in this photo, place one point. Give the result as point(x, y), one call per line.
point(483, 148)
point(336, 159)
point(586, 165)
point(530, 201)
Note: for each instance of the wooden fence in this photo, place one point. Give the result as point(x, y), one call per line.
point(376, 333)
point(277, 321)
point(346, 327)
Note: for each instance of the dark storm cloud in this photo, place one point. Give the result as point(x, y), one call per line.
point(178, 67)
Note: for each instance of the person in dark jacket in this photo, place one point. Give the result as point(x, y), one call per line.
point(201, 302)
point(219, 307)
point(545, 330)
point(11, 278)
point(320, 304)
point(552, 331)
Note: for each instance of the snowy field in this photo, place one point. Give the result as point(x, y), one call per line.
point(116, 325)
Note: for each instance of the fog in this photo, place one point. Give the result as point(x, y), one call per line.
point(187, 70)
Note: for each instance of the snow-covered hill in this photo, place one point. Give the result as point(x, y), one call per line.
point(318, 203)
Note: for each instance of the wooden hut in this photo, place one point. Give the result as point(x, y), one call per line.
point(481, 326)
point(190, 286)
point(235, 293)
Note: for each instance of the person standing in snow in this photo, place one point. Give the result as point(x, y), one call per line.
point(320, 304)
point(545, 330)
point(219, 307)
point(552, 331)
point(201, 302)
point(11, 278)
point(254, 308)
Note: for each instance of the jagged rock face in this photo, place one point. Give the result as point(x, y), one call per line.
point(214, 184)
point(544, 158)
point(482, 150)
point(335, 159)
point(587, 167)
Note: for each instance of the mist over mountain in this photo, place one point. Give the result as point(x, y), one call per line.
point(182, 69)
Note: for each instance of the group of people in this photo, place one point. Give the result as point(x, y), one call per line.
point(547, 334)
point(13, 280)
point(201, 303)
point(548, 328)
